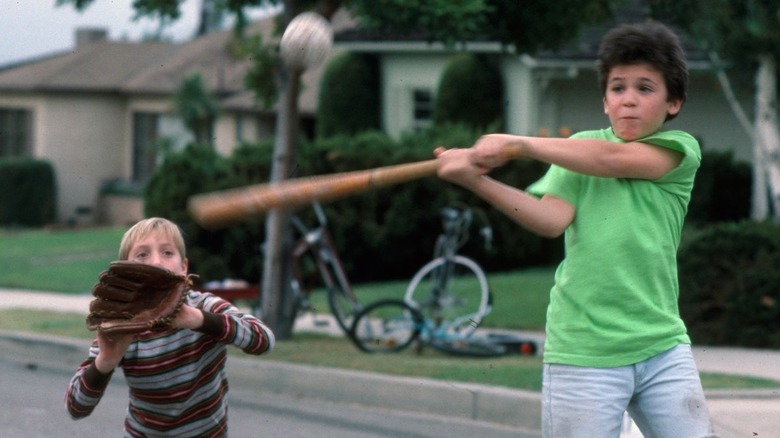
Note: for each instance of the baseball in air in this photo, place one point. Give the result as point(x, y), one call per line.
point(306, 41)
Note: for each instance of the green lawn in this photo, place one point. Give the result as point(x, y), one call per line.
point(58, 261)
point(69, 261)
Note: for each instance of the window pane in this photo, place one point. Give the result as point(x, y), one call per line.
point(15, 132)
point(144, 153)
point(423, 109)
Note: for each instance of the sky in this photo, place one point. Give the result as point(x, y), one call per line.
point(34, 28)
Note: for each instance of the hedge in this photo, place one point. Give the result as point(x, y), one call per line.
point(29, 195)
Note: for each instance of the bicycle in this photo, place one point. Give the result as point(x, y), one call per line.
point(317, 245)
point(445, 302)
point(451, 287)
point(391, 325)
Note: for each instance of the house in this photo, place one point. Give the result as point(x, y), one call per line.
point(95, 111)
point(548, 93)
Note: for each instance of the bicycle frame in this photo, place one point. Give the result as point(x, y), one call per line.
point(318, 244)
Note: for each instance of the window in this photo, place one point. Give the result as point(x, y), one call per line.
point(15, 132)
point(145, 134)
point(239, 128)
point(153, 135)
point(423, 109)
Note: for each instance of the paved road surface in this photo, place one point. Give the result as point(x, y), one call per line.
point(736, 414)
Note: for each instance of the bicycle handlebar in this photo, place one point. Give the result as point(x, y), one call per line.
point(457, 220)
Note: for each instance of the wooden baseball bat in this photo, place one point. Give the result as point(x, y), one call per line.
point(216, 209)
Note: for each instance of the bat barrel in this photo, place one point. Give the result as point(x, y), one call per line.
point(229, 206)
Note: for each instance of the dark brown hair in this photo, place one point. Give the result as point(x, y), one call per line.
point(649, 43)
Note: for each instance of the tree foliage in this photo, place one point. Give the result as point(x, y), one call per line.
point(527, 25)
point(197, 107)
point(739, 31)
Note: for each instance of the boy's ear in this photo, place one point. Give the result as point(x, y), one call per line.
point(674, 106)
point(185, 264)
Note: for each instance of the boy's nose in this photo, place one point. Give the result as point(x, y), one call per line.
point(155, 259)
point(629, 99)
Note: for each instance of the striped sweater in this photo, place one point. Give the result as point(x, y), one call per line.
point(177, 380)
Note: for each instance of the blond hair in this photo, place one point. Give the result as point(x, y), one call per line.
point(148, 226)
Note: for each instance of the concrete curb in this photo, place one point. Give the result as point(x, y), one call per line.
point(515, 408)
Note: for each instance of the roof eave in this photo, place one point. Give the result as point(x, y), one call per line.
point(419, 46)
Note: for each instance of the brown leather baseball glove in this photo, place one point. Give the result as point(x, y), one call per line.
point(134, 297)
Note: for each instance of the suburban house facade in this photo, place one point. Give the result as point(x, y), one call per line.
point(95, 111)
point(548, 93)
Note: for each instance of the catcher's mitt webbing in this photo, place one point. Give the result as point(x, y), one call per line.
point(135, 297)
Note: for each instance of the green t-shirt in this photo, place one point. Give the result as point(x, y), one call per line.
point(615, 296)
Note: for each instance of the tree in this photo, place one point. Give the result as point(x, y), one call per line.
point(197, 108)
point(470, 92)
point(743, 32)
point(523, 27)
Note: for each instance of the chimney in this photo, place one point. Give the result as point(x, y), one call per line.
point(88, 35)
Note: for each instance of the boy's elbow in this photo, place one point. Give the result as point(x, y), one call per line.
point(550, 232)
point(611, 165)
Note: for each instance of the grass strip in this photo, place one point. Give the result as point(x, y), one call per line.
point(517, 372)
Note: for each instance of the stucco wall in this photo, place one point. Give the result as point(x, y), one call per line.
point(82, 136)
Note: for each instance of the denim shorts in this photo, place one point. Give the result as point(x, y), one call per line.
point(663, 395)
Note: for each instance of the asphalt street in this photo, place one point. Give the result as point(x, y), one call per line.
point(270, 396)
point(35, 373)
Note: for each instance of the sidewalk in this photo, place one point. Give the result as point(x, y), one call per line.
point(748, 413)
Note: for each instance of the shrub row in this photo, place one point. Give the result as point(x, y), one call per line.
point(730, 284)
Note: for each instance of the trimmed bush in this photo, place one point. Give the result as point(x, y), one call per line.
point(349, 99)
point(29, 195)
point(722, 190)
point(471, 92)
point(730, 284)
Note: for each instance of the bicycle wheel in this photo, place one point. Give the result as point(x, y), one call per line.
point(341, 298)
point(472, 346)
point(344, 306)
point(385, 326)
point(453, 291)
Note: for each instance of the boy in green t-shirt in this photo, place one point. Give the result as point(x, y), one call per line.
point(615, 341)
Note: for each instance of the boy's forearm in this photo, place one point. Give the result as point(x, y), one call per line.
point(547, 217)
point(602, 158)
point(587, 156)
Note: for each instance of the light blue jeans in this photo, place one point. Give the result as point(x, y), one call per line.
point(663, 395)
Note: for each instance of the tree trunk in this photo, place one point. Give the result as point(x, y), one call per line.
point(767, 140)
